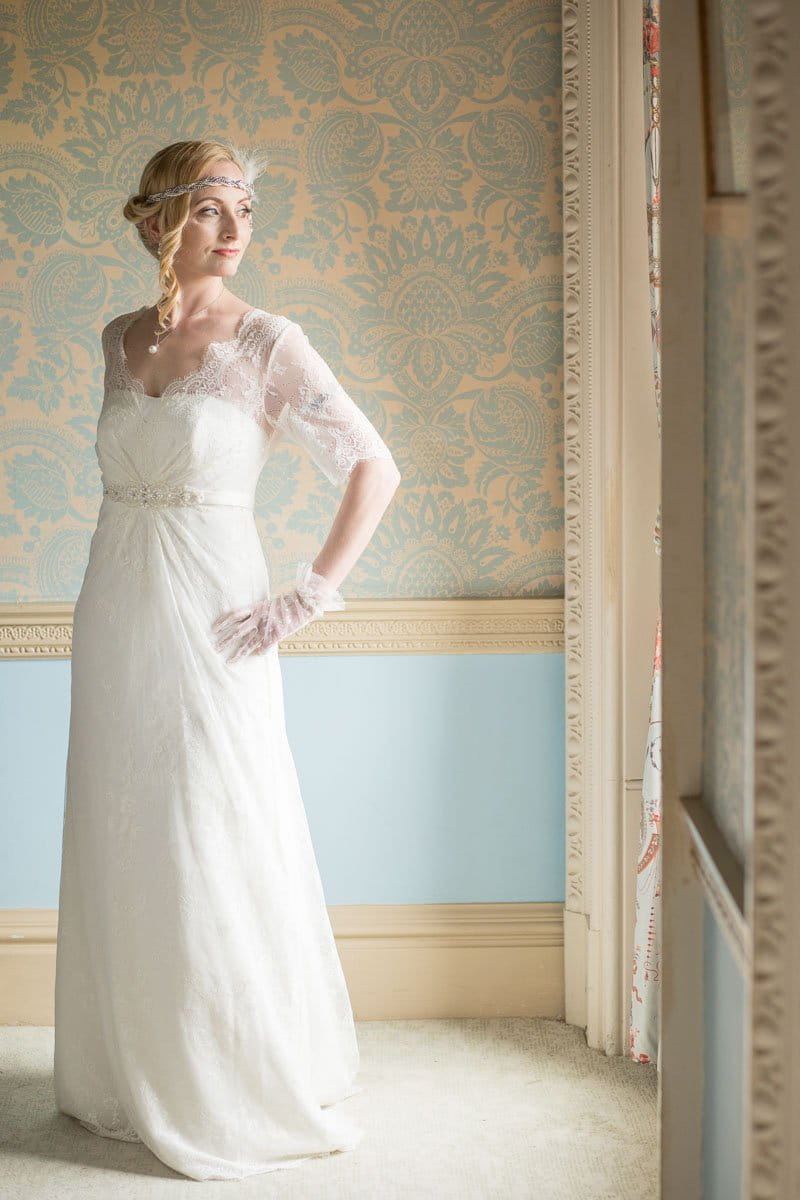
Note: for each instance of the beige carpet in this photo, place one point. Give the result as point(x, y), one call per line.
point(477, 1109)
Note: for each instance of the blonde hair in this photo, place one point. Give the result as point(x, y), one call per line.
point(180, 162)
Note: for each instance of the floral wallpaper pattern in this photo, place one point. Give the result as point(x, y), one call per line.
point(410, 219)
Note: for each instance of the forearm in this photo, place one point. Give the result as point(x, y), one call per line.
point(369, 491)
point(256, 628)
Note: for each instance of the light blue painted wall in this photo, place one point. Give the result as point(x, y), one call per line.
point(426, 779)
point(34, 724)
point(723, 1022)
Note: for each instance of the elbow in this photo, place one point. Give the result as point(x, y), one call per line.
point(383, 468)
point(392, 470)
point(393, 478)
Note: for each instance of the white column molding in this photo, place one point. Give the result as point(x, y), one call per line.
point(593, 921)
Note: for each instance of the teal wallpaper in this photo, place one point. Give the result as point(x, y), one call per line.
point(410, 219)
point(727, 633)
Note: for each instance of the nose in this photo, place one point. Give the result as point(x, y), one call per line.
point(230, 227)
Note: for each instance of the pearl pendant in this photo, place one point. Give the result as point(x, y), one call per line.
point(152, 349)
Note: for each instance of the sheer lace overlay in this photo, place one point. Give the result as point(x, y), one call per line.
point(272, 374)
point(200, 1003)
point(305, 401)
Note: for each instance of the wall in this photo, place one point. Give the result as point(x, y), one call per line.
point(411, 221)
point(440, 780)
point(723, 1065)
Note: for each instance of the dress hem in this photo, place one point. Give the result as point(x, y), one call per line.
point(277, 1165)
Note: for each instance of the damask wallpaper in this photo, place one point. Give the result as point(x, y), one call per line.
point(410, 219)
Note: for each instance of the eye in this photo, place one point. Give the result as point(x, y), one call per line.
point(213, 209)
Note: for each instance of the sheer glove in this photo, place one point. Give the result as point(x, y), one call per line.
point(254, 629)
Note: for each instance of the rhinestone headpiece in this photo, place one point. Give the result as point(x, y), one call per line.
point(179, 188)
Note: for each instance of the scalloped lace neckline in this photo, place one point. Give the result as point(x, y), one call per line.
point(209, 350)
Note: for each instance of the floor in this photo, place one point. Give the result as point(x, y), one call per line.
point(471, 1109)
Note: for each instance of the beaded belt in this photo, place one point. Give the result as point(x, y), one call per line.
point(165, 496)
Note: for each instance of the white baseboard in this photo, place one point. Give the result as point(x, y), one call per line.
point(401, 961)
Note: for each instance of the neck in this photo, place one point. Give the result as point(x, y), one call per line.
point(199, 296)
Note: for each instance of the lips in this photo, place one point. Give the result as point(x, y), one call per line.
point(227, 253)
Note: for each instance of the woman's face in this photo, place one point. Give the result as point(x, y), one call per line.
point(219, 218)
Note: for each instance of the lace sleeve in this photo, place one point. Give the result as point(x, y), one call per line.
point(106, 335)
point(306, 403)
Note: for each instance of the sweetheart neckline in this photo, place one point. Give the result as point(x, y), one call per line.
point(123, 357)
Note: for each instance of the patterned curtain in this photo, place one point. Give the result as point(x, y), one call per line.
point(645, 1043)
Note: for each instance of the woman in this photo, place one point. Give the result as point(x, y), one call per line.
point(200, 1003)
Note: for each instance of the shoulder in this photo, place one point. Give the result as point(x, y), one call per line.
point(112, 328)
point(268, 323)
point(115, 322)
point(263, 330)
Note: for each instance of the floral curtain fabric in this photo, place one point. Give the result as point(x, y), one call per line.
point(644, 1043)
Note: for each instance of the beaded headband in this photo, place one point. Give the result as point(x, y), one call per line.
point(179, 188)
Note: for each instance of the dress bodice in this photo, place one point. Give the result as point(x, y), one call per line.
point(206, 438)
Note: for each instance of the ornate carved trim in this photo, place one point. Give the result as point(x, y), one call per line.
point(477, 626)
point(593, 469)
point(772, 1166)
point(35, 630)
point(576, 133)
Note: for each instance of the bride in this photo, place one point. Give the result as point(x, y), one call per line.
point(200, 1004)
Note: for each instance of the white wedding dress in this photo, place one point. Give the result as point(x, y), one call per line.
point(200, 1004)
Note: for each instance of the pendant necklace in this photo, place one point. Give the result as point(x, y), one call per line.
point(160, 336)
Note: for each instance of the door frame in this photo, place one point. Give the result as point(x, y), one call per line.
point(611, 480)
point(765, 931)
point(592, 462)
point(597, 66)
point(681, 1096)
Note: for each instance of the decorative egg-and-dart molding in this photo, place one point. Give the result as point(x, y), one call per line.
point(463, 626)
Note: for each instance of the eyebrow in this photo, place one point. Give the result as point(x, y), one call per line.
point(205, 199)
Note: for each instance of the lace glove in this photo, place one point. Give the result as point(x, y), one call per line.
point(254, 629)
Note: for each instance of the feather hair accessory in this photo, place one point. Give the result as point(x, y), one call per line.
point(253, 164)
